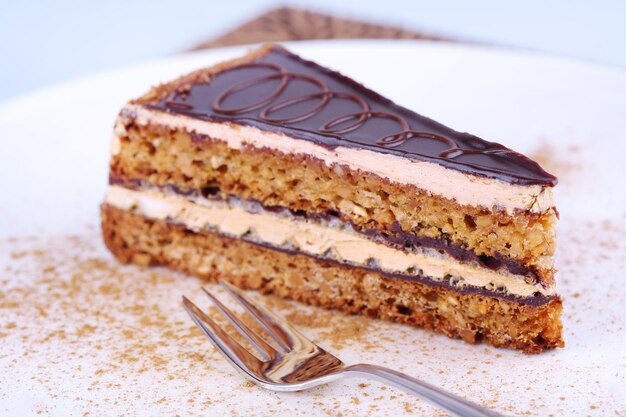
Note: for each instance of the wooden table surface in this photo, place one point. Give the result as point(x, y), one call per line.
point(289, 24)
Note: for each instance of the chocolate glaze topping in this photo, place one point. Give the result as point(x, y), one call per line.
point(284, 93)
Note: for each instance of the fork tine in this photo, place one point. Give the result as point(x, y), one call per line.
point(228, 346)
point(261, 345)
point(281, 331)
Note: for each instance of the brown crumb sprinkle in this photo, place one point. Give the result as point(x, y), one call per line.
point(78, 328)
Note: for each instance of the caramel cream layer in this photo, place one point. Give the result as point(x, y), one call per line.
point(312, 237)
point(431, 177)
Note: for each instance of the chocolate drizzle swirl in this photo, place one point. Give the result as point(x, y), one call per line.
point(281, 92)
point(336, 125)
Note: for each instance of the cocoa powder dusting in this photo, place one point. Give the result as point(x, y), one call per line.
point(73, 320)
point(79, 331)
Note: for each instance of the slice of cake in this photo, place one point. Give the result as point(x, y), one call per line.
point(277, 174)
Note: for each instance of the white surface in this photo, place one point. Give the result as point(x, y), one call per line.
point(55, 40)
point(53, 172)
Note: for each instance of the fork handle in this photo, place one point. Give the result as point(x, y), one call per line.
point(455, 405)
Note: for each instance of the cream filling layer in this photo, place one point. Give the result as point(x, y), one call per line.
point(313, 238)
point(465, 189)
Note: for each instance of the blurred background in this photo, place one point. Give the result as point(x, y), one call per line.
point(47, 42)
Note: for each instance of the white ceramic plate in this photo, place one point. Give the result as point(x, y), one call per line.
point(53, 173)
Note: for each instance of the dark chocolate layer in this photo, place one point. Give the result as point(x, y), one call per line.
point(535, 300)
point(282, 92)
point(398, 239)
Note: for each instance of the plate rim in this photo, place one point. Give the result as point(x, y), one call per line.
point(39, 94)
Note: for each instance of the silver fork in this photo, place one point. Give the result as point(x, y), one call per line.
point(294, 363)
